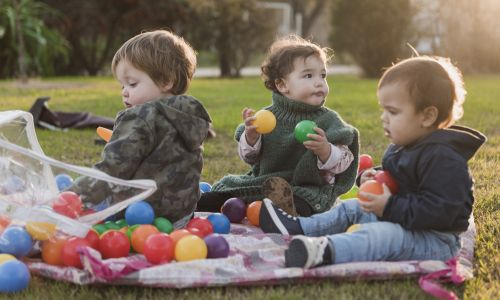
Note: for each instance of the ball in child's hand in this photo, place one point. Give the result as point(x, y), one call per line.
point(365, 162)
point(234, 209)
point(265, 121)
point(372, 187)
point(302, 129)
point(384, 177)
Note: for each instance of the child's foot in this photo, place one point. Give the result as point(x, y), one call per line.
point(280, 192)
point(307, 252)
point(273, 219)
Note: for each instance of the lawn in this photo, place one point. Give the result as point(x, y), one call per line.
point(353, 98)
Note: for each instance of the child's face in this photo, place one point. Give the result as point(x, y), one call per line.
point(403, 125)
point(137, 86)
point(307, 82)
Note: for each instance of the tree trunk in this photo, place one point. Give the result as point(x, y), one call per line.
point(21, 52)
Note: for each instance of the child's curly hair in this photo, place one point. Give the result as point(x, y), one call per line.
point(431, 81)
point(281, 55)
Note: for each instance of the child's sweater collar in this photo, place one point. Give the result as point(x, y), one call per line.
point(288, 109)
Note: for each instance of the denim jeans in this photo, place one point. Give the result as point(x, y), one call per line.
point(376, 240)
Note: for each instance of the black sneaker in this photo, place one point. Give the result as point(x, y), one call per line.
point(273, 219)
point(307, 252)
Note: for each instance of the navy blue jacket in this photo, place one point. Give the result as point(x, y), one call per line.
point(435, 185)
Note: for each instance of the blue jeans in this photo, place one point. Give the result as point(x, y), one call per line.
point(376, 240)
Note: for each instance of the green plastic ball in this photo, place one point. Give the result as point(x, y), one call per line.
point(163, 225)
point(100, 228)
point(352, 193)
point(302, 129)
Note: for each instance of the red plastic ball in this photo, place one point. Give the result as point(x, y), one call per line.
point(159, 248)
point(93, 238)
point(384, 177)
point(365, 162)
point(68, 204)
point(140, 234)
point(178, 234)
point(114, 244)
point(69, 255)
point(204, 225)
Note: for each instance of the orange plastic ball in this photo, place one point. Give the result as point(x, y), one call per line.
point(51, 251)
point(178, 234)
point(139, 236)
point(265, 121)
point(372, 187)
point(4, 221)
point(253, 211)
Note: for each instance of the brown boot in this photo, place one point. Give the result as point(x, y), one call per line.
point(279, 191)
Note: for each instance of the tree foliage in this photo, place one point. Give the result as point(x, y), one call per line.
point(373, 32)
point(27, 45)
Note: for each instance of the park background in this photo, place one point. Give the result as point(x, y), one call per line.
point(62, 49)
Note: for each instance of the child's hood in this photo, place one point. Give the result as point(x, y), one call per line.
point(189, 117)
point(464, 140)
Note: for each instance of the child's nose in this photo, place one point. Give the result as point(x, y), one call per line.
point(124, 92)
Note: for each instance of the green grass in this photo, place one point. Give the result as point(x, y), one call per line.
point(353, 98)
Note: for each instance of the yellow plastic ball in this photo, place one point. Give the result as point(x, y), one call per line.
point(41, 230)
point(6, 257)
point(353, 227)
point(190, 247)
point(265, 121)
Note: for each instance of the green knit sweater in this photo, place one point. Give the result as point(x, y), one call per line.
point(281, 155)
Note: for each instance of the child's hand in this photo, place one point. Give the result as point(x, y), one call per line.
point(367, 174)
point(376, 203)
point(250, 133)
point(319, 144)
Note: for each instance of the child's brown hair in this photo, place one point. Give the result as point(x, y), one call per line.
point(281, 55)
point(164, 56)
point(430, 81)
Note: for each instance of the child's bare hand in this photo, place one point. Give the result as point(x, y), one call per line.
point(251, 133)
point(319, 144)
point(367, 174)
point(376, 203)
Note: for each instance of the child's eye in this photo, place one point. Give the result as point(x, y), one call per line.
point(308, 76)
point(323, 75)
point(133, 84)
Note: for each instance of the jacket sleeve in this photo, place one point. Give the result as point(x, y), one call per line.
point(131, 142)
point(444, 194)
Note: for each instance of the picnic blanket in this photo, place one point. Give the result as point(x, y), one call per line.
point(255, 258)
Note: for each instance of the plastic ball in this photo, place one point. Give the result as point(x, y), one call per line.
point(351, 194)
point(111, 225)
point(265, 121)
point(114, 244)
point(68, 204)
point(365, 162)
point(205, 187)
point(196, 231)
point(93, 238)
point(52, 251)
point(159, 248)
point(202, 224)
point(16, 240)
point(121, 223)
point(163, 225)
point(69, 254)
point(6, 257)
point(190, 247)
point(353, 228)
point(384, 177)
point(220, 223)
point(131, 229)
point(100, 228)
point(234, 209)
point(370, 186)
point(302, 129)
point(13, 184)
point(178, 234)
point(5, 221)
point(217, 246)
point(14, 276)
point(63, 181)
point(139, 236)
point(41, 230)
point(253, 212)
point(139, 213)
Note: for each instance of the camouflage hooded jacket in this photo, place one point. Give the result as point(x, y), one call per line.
point(159, 140)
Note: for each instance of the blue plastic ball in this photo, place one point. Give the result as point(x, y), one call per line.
point(139, 213)
point(63, 181)
point(13, 184)
point(16, 240)
point(14, 276)
point(205, 187)
point(220, 223)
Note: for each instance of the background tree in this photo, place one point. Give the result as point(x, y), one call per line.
point(373, 32)
point(27, 45)
point(235, 29)
point(310, 11)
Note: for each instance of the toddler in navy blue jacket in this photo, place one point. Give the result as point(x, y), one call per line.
point(420, 98)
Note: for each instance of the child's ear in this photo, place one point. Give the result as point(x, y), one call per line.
point(430, 115)
point(166, 88)
point(281, 86)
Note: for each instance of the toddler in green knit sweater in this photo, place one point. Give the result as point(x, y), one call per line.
point(303, 178)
